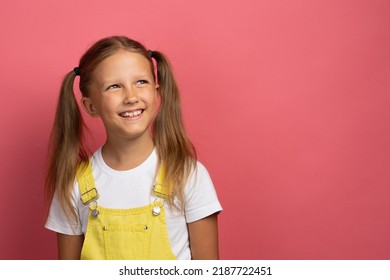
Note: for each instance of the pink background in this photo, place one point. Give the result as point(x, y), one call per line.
point(286, 101)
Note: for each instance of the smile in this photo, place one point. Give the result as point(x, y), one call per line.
point(130, 114)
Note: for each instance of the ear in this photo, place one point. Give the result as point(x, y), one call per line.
point(157, 92)
point(89, 107)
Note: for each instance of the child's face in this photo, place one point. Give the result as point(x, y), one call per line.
point(124, 94)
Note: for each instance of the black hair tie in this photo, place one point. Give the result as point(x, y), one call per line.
point(77, 71)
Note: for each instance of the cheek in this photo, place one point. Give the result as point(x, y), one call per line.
point(157, 101)
point(150, 98)
point(112, 99)
point(153, 103)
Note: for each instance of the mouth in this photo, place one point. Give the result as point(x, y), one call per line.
point(131, 114)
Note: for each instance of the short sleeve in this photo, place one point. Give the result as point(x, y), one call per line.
point(57, 220)
point(201, 198)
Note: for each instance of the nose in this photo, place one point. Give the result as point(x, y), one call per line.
point(130, 96)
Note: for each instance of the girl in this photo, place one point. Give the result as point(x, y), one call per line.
point(142, 195)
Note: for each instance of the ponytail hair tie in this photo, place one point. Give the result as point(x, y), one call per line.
point(77, 71)
point(150, 52)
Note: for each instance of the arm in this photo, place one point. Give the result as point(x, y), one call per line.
point(204, 238)
point(69, 246)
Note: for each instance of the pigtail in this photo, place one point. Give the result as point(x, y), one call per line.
point(173, 145)
point(66, 147)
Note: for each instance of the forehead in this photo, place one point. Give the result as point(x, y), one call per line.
point(123, 62)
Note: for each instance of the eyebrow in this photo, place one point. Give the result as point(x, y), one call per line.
point(115, 80)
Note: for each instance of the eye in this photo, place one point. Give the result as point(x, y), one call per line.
point(114, 86)
point(141, 82)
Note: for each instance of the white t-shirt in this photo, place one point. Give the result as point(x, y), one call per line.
point(133, 188)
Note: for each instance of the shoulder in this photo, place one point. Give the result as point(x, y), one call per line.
point(199, 176)
point(201, 195)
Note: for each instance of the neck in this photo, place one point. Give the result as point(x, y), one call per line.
point(125, 154)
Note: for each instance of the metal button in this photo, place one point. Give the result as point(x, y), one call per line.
point(104, 228)
point(95, 212)
point(156, 210)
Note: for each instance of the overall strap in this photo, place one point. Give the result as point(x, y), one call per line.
point(89, 193)
point(160, 189)
point(86, 183)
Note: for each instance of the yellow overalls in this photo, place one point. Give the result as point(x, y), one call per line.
point(132, 234)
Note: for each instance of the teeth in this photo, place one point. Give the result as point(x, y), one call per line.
point(131, 114)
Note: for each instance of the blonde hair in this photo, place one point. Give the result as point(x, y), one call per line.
point(67, 146)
